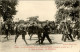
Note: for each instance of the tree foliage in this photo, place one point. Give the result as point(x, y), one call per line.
point(7, 9)
point(67, 8)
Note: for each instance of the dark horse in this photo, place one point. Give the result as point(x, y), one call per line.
point(35, 30)
point(32, 30)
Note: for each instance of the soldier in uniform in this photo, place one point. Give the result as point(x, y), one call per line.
point(70, 31)
point(77, 30)
point(67, 31)
point(6, 31)
point(39, 32)
point(46, 33)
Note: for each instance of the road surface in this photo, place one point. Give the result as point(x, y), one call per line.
point(20, 46)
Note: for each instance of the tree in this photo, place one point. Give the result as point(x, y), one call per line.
point(8, 9)
point(67, 8)
point(33, 19)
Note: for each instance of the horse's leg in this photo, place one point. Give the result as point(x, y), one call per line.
point(31, 36)
point(78, 36)
point(6, 34)
point(68, 37)
point(25, 41)
point(65, 36)
point(9, 34)
point(17, 35)
point(39, 38)
point(7, 37)
point(23, 37)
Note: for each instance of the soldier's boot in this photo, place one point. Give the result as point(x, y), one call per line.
point(50, 41)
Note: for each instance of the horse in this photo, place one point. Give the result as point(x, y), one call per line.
point(32, 30)
point(20, 30)
point(35, 30)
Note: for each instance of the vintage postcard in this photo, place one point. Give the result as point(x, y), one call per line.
point(39, 25)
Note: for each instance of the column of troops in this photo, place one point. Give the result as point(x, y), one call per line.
point(42, 31)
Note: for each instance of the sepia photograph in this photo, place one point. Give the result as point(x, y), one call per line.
point(39, 25)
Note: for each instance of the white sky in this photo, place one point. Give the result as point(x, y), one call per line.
point(46, 10)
